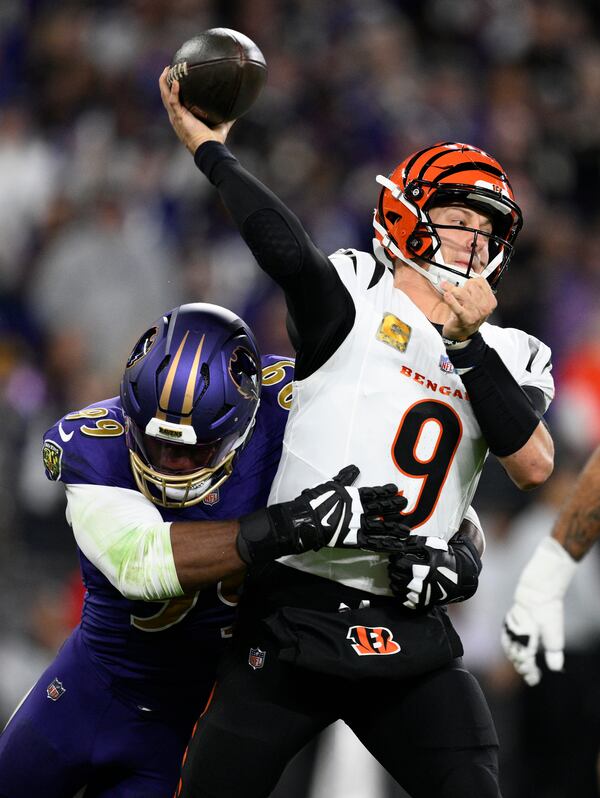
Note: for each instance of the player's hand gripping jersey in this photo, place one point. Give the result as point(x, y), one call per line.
point(158, 652)
point(389, 400)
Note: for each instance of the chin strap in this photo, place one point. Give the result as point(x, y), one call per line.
point(434, 276)
point(433, 273)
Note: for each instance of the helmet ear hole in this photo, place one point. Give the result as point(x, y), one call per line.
point(414, 191)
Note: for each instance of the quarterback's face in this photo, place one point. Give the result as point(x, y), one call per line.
point(458, 244)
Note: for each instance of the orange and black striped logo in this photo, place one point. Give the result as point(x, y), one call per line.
point(369, 640)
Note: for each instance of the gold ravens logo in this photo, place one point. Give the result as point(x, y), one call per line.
point(52, 456)
point(244, 373)
point(143, 346)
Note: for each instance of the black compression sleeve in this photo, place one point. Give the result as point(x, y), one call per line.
point(502, 408)
point(321, 309)
point(273, 233)
point(271, 230)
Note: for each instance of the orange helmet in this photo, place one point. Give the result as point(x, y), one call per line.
point(444, 174)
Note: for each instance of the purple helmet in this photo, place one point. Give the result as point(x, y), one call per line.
point(190, 393)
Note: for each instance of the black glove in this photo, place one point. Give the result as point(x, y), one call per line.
point(331, 514)
point(429, 570)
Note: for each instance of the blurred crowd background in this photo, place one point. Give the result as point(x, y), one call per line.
point(105, 223)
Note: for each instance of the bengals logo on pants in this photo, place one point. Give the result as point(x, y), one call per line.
point(368, 640)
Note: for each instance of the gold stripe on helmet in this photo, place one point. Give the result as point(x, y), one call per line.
point(168, 386)
point(188, 399)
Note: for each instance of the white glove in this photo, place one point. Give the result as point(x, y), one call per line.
point(536, 616)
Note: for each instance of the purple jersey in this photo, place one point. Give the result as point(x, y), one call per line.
point(163, 650)
point(134, 675)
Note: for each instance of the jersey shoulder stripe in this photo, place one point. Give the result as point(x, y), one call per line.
point(359, 271)
point(528, 359)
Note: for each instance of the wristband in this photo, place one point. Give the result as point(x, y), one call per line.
point(465, 355)
point(451, 344)
point(257, 541)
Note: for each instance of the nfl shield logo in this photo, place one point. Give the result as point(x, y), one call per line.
point(256, 658)
point(55, 690)
point(446, 365)
point(212, 497)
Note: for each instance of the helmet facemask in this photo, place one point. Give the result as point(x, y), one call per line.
point(405, 230)
point(209, 465)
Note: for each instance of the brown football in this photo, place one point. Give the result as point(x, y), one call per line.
point(221, 72)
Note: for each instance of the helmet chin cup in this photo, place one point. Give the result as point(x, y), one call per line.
point(197, 491)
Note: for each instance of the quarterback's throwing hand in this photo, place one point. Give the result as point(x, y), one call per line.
point(190, 130)
point(331, 514)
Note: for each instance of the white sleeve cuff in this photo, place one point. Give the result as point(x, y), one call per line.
point(124, 536)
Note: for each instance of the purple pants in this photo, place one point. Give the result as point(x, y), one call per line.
point(72, 731)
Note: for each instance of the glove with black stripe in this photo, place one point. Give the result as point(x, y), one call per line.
point(536, 618)
point(430, 570)
point(330, 514)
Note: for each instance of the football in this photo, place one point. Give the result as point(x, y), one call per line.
point(221, 72)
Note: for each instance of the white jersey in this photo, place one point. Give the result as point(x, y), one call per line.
point(388, 401)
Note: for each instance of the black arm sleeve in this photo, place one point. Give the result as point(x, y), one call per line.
point(320, 307)
point(504, 410)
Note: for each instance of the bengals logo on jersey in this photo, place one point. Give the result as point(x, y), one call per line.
point(368, 640)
